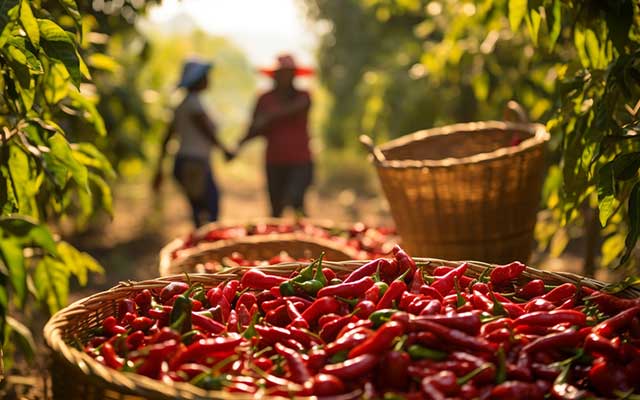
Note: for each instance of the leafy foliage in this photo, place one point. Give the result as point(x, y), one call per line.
point(572, 64)
point(43, 175)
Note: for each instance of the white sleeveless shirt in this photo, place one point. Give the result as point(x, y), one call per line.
point(193, 142)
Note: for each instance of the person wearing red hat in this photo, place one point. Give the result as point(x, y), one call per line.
point(281, 116)
point(197, 132)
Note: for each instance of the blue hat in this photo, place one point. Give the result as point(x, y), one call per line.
point(193, 71)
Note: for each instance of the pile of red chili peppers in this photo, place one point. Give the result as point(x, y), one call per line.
point(386, 330)
point(370, 242)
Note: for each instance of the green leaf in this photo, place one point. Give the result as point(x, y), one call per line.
point(592, 47)
point(579, 42)
point(634, 223)
point(23, 337)
point(87, 105)
point(29, 23)
point(612, 247)
point(517, 11)
point(554, 22)
point(106, 199)
point(619, 18)
point(61, 153)
point(533, 23)
point(5, 15)
point(607, 202)
point(51, 279)
point(626, 166)
point(32, 61)
point(94, 158)
point(18, 63)
point(21, 177)
point(72, 9)
point(11, 252)
point(59, 46)
point(29, 231)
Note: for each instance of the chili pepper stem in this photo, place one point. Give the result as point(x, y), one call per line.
point(466, 378)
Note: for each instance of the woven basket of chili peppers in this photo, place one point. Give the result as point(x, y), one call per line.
point(466, 191)
point(410, 328)
point(364, 242)
point(254, 250)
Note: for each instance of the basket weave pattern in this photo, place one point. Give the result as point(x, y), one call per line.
point(464, 191)
point(76, 375)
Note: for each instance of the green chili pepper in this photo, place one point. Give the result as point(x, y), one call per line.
point(417, 352)
point(187, 338)
point(311, 286)
point(287, 289)
point(305, 274)
point(501, 370)
point(199, 294)
point(180, 318)
point(382, 287)
point(381, 316)
point(251, 332)
point(319, 276)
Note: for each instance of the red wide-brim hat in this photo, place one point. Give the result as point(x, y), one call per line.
point(286, 61)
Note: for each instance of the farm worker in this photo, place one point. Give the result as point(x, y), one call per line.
point(281, 116)
point(197, 133)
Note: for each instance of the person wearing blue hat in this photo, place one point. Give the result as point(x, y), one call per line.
point(197, 133)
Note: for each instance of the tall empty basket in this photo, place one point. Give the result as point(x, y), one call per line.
point(465, 191)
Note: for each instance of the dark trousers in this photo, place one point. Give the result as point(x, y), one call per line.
point(287, 186)
point(196, 179)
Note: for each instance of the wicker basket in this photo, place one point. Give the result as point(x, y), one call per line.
point(264, 247)
point(465, 191)
point(167, 257)
point(75, 375)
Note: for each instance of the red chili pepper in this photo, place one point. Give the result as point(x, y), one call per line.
point(433, 307)
point(126, 306)
point(372, 294)
point(505, 273)
point(395, 375)
point(352, 368)
point(163, 335)
point(497, 324)
point(327, 385)
point(111, 327)
point(143, 300)
point(609, 304)
point(279, 316)
point(297, 368)
point(446, 283)
point(256, 279)
point(233, 322)
point(608, 377)
point(263, 363)
point(440, 386)
point(468, 322)
point(481, 302)
point(172, 289)
point(595, 343)
point(329, 275)
point(453, 336)
point(550, 318)
point(303, 336)
point(204, 348)
point(380, 340)
point(568, 338)
point(364, 309)
point(405, 263)
point(346, 342)
point(512, 390)
point(348, 289)
point(247, 299)
point(142, 323)
point(207, 324)
point(531, 289)
point(367, 269)
point(272, 334)
point(295, 316)
point(330, 330)
point(111, 359)
point(395, 290)
point(231, 289)
point(134, 340)
point(539, 304)
point(157, 353)
point(417, 281)
point(316, 359)
point(324, 319)
point(560, 293)
point(616, 323)
point(323, 305)
point(431, 292)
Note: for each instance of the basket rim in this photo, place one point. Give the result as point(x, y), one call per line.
point(165, 259)
point(539, 138)
point(138, 384)
point(256, 240)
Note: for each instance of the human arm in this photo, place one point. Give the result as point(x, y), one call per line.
point(209, 129)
